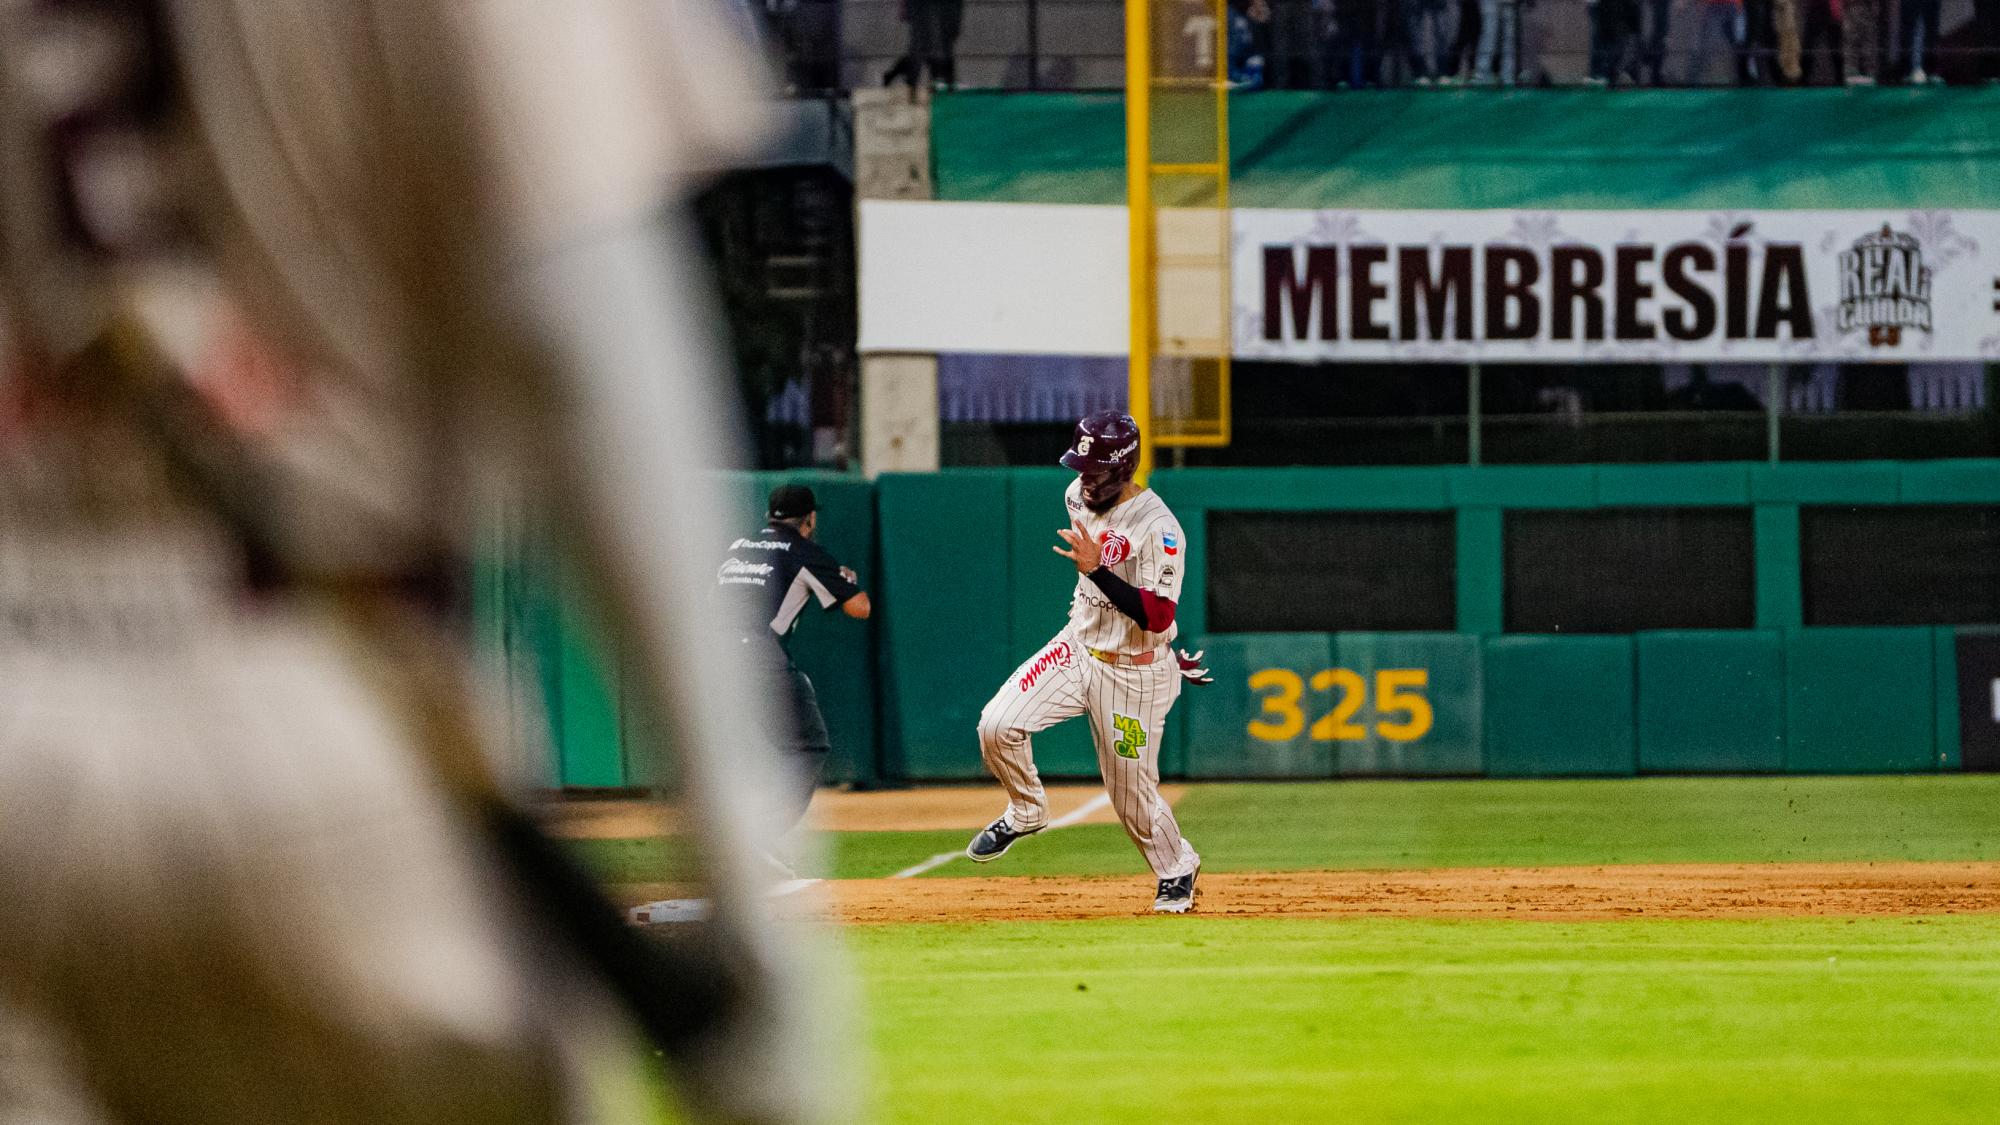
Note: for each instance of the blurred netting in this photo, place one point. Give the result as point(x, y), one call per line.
point(1323, 572)
point(1621, 570)
point(1934, 564)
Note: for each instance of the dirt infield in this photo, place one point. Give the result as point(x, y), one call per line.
point(1554, 893)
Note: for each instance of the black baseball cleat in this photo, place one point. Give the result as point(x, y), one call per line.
point(994, 840)
point(1176, 896)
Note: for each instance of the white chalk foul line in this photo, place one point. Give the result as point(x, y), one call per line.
point(1075, 816)
point(1083, 812)
point(938, 860)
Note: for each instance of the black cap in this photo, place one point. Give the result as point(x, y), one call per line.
point(792, 502)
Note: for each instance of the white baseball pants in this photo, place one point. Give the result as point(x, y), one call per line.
point(1127, 707)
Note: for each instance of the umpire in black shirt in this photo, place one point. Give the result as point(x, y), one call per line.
point(770, 577)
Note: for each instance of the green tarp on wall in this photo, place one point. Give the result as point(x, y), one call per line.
point(1820, 149)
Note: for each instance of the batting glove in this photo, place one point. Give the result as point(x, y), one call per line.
point(1191, 669)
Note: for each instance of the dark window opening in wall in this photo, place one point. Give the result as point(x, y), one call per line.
point(1323, 572)
point(1014, 410)
point(1344, 414)
point(1612, 412)
point(1621, 570)
point(780, 242)
point(1927, 565)
point(1899, 411)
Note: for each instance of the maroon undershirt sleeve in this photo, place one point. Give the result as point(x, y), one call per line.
point(1153, 612)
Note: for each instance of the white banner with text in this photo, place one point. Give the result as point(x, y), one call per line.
point(1458, 286)
point(1613, 286)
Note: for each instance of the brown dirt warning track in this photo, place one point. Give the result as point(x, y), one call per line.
point(1549, 894)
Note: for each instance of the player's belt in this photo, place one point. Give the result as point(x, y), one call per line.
point(1140, 660)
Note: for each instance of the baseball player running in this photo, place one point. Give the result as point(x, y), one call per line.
point(1112, 662)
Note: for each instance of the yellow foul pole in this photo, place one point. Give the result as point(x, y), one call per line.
point(1139, 207)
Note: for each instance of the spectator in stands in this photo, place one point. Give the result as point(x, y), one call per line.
point(1357, 43)
point(1423, 39)
point(1249, 40)
point(1614, 34)
point(1653, 55)
point(1700, 392)
point(1464, 47)
point(1296, 59)
point(1499, 40)
point(1756, 61)
point(1785, 14)
point(1916, 37)
point(934, 28)
point(1721, 25)
point(1979, 39)
point(1820, 43)
point(1861, 40)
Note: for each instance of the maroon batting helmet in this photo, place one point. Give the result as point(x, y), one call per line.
point(1105, 454)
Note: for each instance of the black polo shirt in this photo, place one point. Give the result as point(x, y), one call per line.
point(770, 576)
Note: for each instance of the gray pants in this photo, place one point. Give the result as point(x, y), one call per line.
point(1499, 29)
point(1861, 38)
point(1424, 38)
point(1720, 24)
point(801, 739)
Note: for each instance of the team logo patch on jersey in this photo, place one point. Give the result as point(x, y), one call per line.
point(1117, 548)
point(1170, 543)
point(1057, 655)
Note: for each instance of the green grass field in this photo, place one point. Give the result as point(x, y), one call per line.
point(1281, 1020)
point(1278, 1021)
point(1305, 826)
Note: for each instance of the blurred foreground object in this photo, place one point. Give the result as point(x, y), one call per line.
point(290, 285)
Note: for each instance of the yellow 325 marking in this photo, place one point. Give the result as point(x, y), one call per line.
point(1402, 712)
point(1284, 704)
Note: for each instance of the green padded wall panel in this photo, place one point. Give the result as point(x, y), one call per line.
point(1944, 647)
point(1559, 706)
point(589, 733)
point(943, 635)
point(1860, 701)
point(1711, 702)
point(1393, 735)
point(1237, 730)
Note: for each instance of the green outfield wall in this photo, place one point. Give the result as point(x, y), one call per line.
point(966, 587)
point(1560, 149)
point(528, 614)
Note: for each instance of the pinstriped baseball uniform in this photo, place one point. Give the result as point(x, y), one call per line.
point(1126, 704)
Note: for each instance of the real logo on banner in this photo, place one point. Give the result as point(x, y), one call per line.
point(1884, 287)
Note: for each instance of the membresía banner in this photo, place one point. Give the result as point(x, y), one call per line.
point(1610, 286)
